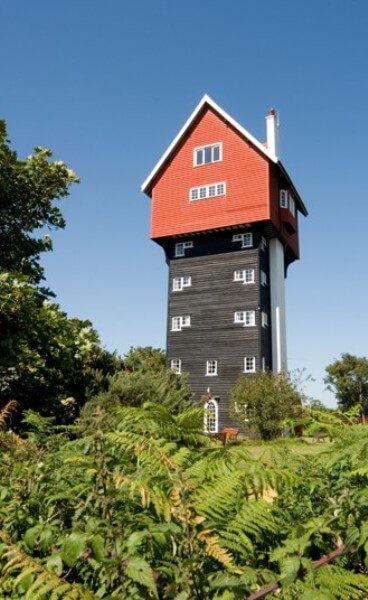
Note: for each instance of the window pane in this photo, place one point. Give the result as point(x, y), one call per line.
point(216, 152)
point(202, 192)
point(207, 154)
point(199, 157)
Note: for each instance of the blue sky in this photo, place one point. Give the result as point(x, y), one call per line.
point(107, 85)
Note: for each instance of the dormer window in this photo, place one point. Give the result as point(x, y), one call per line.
point(207, 154)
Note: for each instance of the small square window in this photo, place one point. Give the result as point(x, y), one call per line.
point(249, 318)
point(220, 189)
point(249, 276)
point(176, 365)
point(246, 239)
point(176, 324)
point(249, 364)
point(181, 247)
point(211, 367)
point(194, 194)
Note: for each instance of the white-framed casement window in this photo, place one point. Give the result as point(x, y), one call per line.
point(210, 420)
point(287, 201)
point(181, 247)
point(250, 364)
point(179, 283)
point(245, 317)
point(211, 367)
point(175, 366)
point(207, 154)
point(263, 244)
point(263, 278)
point(246, 239)
point(264, 319)
point(208, 191)
point(244, 275)
point(177, 323)
point(284, 198)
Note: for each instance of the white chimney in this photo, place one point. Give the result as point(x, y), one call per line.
point(272, 129)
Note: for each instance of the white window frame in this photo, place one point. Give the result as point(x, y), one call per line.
point(210, 417)
point(179, 283)
point(264, 280)
point(245, 317)
point(181, 247)
point(203, 149)
point(209, 190)
point(246, 239)
point(249, 364)
point(175, 365)
point(177, 323)
point(264, 319)
point(284, 199)
point(244, 275)
point(211, 368)
point(263, 363)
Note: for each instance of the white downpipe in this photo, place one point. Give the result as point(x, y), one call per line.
point(278, 316)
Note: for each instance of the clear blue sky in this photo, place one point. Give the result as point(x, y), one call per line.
point(107, 85)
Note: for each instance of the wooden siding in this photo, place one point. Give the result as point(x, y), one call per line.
point(244, 169)
point(211, 302)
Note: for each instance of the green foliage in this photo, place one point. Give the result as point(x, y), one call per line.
point(348, 379)
point(139, 504)
point(46, 359)
point(264, 401)
point(145, 378)
point(27, 191)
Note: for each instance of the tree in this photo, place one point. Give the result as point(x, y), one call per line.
point(46, 359)
point(263, 401)
point(27, 191)
point(347, 378)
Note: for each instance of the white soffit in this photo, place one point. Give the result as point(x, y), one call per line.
point(205, 100)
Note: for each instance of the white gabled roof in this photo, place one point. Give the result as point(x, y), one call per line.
point(205, 100)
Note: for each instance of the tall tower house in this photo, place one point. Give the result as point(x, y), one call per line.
point(225, 211)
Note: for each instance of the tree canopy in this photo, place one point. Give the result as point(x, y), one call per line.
point(348, 379)
point(263, 401)
point(27, 193)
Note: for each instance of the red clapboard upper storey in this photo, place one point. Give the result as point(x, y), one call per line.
point(215, 174)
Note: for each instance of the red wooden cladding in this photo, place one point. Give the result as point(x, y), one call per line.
point(243, 167)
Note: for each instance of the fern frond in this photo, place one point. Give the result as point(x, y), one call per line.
point(6, 413)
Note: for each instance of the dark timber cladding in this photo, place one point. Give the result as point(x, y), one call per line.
point(212, 300)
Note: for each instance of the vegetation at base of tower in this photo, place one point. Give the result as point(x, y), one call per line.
point(139, 504)
point(263, 401)
point(347, 378)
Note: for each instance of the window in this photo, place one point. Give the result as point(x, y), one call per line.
point(207, 154)
point(263, 278)
point(181, 247)
point(246, 239)
point(176, 366)
point(177, 323)
point(287, 201)
point(246, 317)
point(292, 205)
point(211, 367)
point(245, 275)
point(179, 283)
point(210, 421)
point(264, 319)
point(250, 364)
point(263, 244)
point(283, 199)
point(263, 363)
point(207, 191)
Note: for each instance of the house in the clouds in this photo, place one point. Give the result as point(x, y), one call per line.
point(225, 211)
